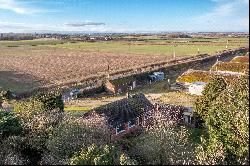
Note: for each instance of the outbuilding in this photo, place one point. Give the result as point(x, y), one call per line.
point(196, 88)
point(157, 76)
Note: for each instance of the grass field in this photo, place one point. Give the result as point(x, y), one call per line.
point(157, 47)
point(29, 64)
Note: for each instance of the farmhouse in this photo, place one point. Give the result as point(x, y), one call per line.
point(125, 115)
point(135, 111)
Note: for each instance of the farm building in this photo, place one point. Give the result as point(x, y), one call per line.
point(197, 88)
point(241, 59)
point(192, 76)
point(120, 85)
point(157, 76)
point(231, 67)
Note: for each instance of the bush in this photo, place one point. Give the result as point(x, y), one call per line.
point(51, 100)
point(94, 155)
point(72, 135)
point(227, 122)
point(9, 124)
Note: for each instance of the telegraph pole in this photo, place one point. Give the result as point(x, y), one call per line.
point(227, 44)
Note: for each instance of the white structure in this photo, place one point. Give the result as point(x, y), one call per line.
point(196, 88)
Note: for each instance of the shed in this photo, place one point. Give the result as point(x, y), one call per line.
point(196, 88)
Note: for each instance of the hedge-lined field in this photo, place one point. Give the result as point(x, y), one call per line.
point(231, 66)
point(203, 76)
point(241, 59)
point(33, 63)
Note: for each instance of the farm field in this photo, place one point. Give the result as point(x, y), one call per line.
point(30, 64)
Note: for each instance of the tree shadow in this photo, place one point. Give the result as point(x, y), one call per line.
point(19, 82)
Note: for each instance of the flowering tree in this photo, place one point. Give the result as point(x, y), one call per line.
point(72, 135)
point(164, 143)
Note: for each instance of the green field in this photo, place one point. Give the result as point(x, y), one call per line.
point(29, 43)
point(161, 47)
point(151, 45)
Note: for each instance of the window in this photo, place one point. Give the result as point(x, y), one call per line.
point(120, 128)
point(131, 123)
point(146, 115)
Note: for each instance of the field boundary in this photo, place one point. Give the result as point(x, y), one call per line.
point(97, 80)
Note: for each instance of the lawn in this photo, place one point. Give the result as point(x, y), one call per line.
point(178, 98)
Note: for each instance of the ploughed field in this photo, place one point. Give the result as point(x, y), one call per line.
point(29, 64)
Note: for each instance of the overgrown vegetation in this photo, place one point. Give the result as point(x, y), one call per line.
point(224, 109)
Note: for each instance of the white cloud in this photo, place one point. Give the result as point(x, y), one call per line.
point(30, 27)
point(20, 7)
point(228, 15)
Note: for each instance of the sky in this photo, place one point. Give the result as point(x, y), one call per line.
point(124, 15)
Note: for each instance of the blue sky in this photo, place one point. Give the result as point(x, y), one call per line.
point(123, 15)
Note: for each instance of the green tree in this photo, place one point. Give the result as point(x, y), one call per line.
point(94, 155)
point(9, 124)
point(210, 93)
point(227, 122)
point(125, 160)
point(51, 100)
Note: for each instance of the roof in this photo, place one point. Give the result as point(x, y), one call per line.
point(199, 83)
point(158, 73)
point(123, 110)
